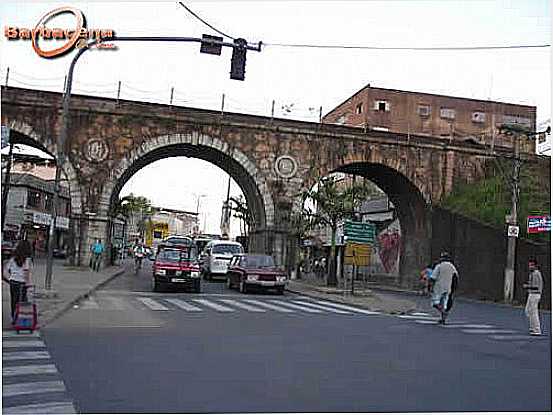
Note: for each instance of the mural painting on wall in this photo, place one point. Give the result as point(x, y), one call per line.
point(389, 243)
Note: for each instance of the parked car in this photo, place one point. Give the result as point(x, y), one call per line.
point(255, 270)
point(176, 268)
point(216, 257)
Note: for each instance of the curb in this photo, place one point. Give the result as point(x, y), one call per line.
point(362, 306)
point(80, 297)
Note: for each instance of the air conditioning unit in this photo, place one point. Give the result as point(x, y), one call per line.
point(478, 116)
point(447, 113)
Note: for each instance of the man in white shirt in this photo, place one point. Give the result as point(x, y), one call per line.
point(442, 281)
point(535, 288)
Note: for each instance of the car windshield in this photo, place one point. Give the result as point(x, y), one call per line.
point(174, 255)
point(259, 261)
point(227, 249)
point(179, 241)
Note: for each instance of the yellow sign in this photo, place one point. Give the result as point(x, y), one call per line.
point(358, 254)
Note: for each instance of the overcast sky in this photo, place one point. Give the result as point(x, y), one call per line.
point(306, 77)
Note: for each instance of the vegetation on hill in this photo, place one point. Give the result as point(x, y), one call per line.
point(490, 200)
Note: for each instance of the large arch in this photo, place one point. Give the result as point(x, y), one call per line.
point(213, 150)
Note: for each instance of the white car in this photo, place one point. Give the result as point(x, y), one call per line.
point(216, 258)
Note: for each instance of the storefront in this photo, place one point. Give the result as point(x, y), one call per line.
point(35, 229)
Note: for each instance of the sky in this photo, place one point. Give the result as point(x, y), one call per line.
point(308, 78)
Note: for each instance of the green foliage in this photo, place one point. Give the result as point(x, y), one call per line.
point(490, 200)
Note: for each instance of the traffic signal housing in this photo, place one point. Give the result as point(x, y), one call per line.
point(238, 60)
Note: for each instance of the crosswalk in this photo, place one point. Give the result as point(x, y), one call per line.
point(31, 383)
point(294, 305)
point(491, 331)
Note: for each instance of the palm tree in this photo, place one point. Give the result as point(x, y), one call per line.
point(135, 207)
point(331, 205)
point(241, 211)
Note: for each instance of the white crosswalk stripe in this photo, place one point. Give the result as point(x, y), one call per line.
point(32, 388)
point(348, 308)
point(214, 306)
point(512, 337)
point(243, 306)
point(182, 304)
point(6, 335)
point(28, 370)
point(152, 304)
point(10, 344)
point(469, 326)
point(296, 306)
point(413, 317)
point(270, 306)
point(42, 408)
point(322, 307)
point(488, 331)
point(9, 357)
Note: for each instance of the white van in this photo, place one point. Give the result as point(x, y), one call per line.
point(216, 257)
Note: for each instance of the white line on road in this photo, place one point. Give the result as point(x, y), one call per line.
point(7, 344)
point(420, 314)
point(488, 331)
point(512, 337)
point(42, 408)
point(28, 370)
point(297, 307)
point(348, 308)
point(469, 326)
point(9, 334)
point(182, 304)
point(435, 321)
point(89, 304)
point(243, 306)
point(152, 304)
point(270, 306)
point(215, 306)
point(32, 388)
point(322, 307)
point(413, 317)
point(8, 357)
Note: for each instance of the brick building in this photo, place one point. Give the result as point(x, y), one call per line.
point(434, 115)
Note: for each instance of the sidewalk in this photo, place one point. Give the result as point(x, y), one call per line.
point(69, 285)
point(365, 298)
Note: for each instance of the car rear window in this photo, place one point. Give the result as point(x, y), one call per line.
point(261, 261)
point(174, 255)
point(227, 249)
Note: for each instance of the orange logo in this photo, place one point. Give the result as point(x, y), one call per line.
point(75, 37)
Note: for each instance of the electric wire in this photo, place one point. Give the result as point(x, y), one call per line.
point(406, 48)
point(204, 22)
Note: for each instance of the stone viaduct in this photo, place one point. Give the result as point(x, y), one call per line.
point(273, 161)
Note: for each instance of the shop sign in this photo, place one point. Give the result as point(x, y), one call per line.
point(40, 218)
point(539, 224)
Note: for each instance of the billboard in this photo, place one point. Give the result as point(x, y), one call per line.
point(539, 224)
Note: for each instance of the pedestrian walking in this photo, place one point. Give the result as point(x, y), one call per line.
point(17, 273)
point(424, 278)
point(535, 288)
point(97, 250)
point(444, 277)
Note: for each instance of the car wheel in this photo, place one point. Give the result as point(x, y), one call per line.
point(229, 283)
point(280, 290)
point(155, 286)
point(243, 287)
point(197, 287)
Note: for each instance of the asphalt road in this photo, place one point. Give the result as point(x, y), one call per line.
point(130, 350)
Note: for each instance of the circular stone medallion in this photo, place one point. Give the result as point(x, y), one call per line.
point(286, 167)
point(96, 150)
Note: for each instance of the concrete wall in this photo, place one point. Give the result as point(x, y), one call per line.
point(480, 251)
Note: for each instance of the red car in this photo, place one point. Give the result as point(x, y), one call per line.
point(176, 268)
point(246, 271)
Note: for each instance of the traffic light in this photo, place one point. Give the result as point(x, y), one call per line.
point(238, 60)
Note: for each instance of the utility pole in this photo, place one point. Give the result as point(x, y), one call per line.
point(517, 132)
point(7, 182)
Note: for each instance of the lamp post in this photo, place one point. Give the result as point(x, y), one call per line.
point(198, 198)
point(243, 45)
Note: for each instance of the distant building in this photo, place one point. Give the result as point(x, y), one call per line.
point(421, 113)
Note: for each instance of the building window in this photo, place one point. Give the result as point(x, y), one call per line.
point(359, 108)
point(33, 198)
point(517, 119)
point(381, 106)
point(424, 110)
point(447, 113)
point(478, 116)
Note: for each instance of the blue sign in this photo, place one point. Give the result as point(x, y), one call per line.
point(538, 224)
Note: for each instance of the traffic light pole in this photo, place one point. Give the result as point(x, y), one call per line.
point(242, 45)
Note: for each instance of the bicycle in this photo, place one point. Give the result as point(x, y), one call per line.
point(137, 264)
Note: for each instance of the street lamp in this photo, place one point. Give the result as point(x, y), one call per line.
point(198, 198)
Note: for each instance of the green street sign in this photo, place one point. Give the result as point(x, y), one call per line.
point(360, 232)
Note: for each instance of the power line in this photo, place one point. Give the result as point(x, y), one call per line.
point(437, 48)
point(204, 22)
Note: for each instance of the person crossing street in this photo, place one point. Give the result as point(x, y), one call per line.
point(535, 288)
point(444, 278)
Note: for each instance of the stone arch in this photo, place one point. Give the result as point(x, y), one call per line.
point(202, 146)
point(28, 136)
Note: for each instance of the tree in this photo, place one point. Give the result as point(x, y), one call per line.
point(137, 209)
point(242, 213)
point(332, 203)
